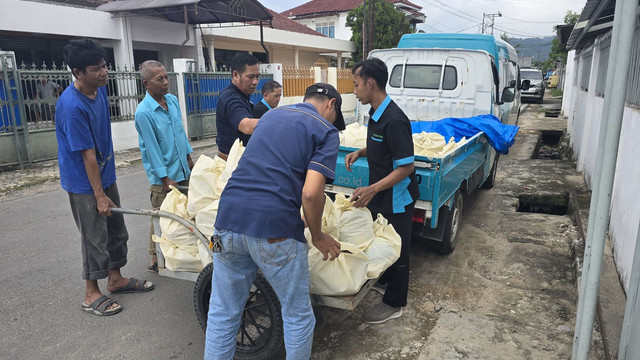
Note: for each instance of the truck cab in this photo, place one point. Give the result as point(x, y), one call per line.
point(433, 76)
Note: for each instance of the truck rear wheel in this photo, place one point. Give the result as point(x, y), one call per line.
point(491, 180)
point(454, 217)
point(261, 335)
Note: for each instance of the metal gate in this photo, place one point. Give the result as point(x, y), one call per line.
point(28, 100)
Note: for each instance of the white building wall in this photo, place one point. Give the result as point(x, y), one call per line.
point(625, 199)
point(43, 18)
point(122, 34)
point(569, 90)
point(342, 30)
point(584, 110)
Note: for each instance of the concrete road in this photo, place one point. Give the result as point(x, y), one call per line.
point(42, 288)
point(506, 292)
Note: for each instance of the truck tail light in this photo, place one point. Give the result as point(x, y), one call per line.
point(418, 215)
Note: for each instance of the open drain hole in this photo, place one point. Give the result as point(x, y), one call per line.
point(554, 113)
point(553, 204)
point(549, 147)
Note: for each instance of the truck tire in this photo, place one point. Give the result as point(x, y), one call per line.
point(261, 336)
point(449, 239)
point(491, 180)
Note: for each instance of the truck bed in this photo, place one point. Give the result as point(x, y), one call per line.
point(438, 178)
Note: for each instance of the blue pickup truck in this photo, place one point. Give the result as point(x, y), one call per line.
point(436, 76)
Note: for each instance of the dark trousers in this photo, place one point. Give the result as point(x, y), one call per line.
point(397, 275)
point(103, 238)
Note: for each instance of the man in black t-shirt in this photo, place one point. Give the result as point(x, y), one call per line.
point(393, 188)
point(234, 110)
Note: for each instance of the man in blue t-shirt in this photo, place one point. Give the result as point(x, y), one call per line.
point(234, 110)
point(88, 174)
point(165, 149)
point(292, 153)
point(393, 189)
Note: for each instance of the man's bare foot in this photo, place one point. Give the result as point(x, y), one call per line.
point(153, 265)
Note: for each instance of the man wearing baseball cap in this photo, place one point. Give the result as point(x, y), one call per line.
point(292, 153)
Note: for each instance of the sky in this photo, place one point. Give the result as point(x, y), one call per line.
point(520, 18)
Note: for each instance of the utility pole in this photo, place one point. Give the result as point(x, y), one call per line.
point(368, 16)
point(493, 18)
point(364, 30)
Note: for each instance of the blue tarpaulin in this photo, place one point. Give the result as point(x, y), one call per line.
point(501, 136)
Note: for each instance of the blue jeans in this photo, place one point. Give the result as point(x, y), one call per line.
point(285, 266)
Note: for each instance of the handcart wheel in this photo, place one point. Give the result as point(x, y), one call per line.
point(260, 335)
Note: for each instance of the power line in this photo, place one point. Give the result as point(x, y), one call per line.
point(508, 31)
point(452, 11)
point(530, 22)
point(429, 26)
point(467, 28)
point(460, 11)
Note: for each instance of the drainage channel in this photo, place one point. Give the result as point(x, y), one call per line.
point(554, 113)
point(553, 204)
point(549, 146)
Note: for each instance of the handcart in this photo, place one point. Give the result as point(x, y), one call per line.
point(261, 335)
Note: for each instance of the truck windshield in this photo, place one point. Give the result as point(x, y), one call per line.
point(531, 74)
point(424, 77)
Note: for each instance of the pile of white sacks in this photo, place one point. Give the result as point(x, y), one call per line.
point(367, 247)
point(432, 145)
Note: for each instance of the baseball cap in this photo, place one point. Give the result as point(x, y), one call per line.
point(332, 93)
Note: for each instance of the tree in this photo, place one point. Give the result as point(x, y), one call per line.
point(558, 50)
point(571, 17)
point(389, 26)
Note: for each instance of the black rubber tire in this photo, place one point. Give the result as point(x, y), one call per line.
point(454, 217)
point(491, 180)
point(261, 336)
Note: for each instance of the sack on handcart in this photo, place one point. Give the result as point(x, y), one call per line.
point(203, 183)
point(232, 163)
point(384, 249)
point(340, 277)
point(355, 224)
point(205, 220)
point(179, 245)
point(329, 221)
point(367, 249)
point(179, 258)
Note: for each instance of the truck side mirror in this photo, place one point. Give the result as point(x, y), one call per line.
point(526, 84)
point(508, 94)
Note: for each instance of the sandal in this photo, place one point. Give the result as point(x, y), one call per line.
point(153, 268)
point(135, 286)
point(100, 306)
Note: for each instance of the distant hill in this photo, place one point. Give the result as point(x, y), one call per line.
point(537, 48)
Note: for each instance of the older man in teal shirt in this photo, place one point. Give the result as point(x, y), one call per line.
point(164, 145)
